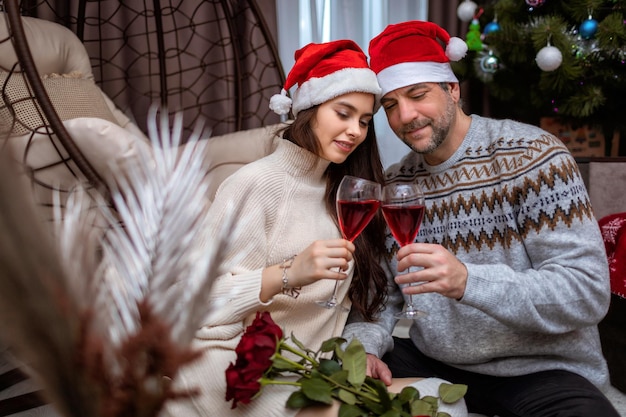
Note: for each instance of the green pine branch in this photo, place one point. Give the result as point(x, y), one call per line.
point(589, 85)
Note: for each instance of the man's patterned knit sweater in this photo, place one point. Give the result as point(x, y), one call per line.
point(512, 206)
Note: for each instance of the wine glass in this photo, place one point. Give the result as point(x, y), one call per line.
point(358, 200)
point(403, 210)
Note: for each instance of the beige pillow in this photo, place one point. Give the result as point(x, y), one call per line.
point(71, 95)
point(54, 48)
point(102, 143)
point(227, 153)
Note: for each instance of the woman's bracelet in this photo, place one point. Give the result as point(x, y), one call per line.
point(293, 292)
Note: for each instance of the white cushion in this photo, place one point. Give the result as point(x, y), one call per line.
point(103, 143)
point(55, 48)
point(227, 153)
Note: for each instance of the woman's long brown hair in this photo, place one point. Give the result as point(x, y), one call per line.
point(368, 289)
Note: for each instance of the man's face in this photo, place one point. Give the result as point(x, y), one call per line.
point(421, 115)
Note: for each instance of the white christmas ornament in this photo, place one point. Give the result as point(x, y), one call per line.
point(466, 10)
point(549, 58)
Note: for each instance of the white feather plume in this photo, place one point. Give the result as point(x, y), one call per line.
point(148, 246)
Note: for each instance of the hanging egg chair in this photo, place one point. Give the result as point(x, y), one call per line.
point(214, 61)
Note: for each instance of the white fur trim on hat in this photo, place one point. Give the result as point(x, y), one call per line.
point(409, 73)
point(349, 80)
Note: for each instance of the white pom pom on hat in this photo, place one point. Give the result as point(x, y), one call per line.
point(280, 103)
point(456, 49)
point(412, 52)
point(324, 71)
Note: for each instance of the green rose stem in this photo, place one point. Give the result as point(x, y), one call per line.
point(243, 383)
point(298, 353)
point(314, 363)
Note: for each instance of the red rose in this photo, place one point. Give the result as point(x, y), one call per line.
point(240, 387)
point(264, 324)
point(254, 357)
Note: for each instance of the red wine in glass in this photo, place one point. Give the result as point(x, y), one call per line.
point(355, 215)
point(358, 200)
point(404, 221)
point(403, 210)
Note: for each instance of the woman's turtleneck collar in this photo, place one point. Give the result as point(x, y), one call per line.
point(299, 162)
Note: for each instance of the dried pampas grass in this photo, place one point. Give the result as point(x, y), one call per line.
point(104, 316)
point(38, 321)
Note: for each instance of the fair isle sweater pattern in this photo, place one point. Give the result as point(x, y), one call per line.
point(476, 218)
point(511, 205)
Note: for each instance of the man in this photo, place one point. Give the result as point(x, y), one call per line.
point(513, 274)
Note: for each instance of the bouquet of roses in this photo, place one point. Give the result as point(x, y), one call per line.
point(261, 361)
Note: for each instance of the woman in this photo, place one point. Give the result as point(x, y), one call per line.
point(288, 249)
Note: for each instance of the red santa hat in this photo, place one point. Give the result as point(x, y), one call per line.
point(411, 52)
point(324, 71)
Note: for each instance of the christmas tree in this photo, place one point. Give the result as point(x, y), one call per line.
point(550, 58)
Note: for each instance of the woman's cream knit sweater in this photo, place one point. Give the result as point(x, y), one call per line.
point(282, 212)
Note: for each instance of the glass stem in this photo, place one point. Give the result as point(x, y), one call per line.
point(334, 297)
point(410, 306)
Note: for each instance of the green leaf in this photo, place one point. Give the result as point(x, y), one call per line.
point(422, 408)
point(280, 364)
point(349, 410)
point(373, 406)
point(408, 394)
point(383, 394)
point(392, 413)
point(331, 344)
point(379, 386)
point(318, 390)
point(329, 367)
point(433, 401)
point(403, 408)
point(443, 414)
point(339, 354)
point(451, 393)
point(355, 362)
point(298, 400)
point(299, 344)
point(340, 377)
point(346, 396)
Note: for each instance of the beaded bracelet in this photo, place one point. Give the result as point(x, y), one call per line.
point(293, 292)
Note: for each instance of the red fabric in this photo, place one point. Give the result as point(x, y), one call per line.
point(317, 60)
point(613, 229)
point(413, 41)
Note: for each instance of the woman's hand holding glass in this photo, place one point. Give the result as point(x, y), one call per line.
point(358, 201)
point(322, 259)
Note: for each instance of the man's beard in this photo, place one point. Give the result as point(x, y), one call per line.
point(440, 128)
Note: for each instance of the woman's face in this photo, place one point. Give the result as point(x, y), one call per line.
point(340, 125)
